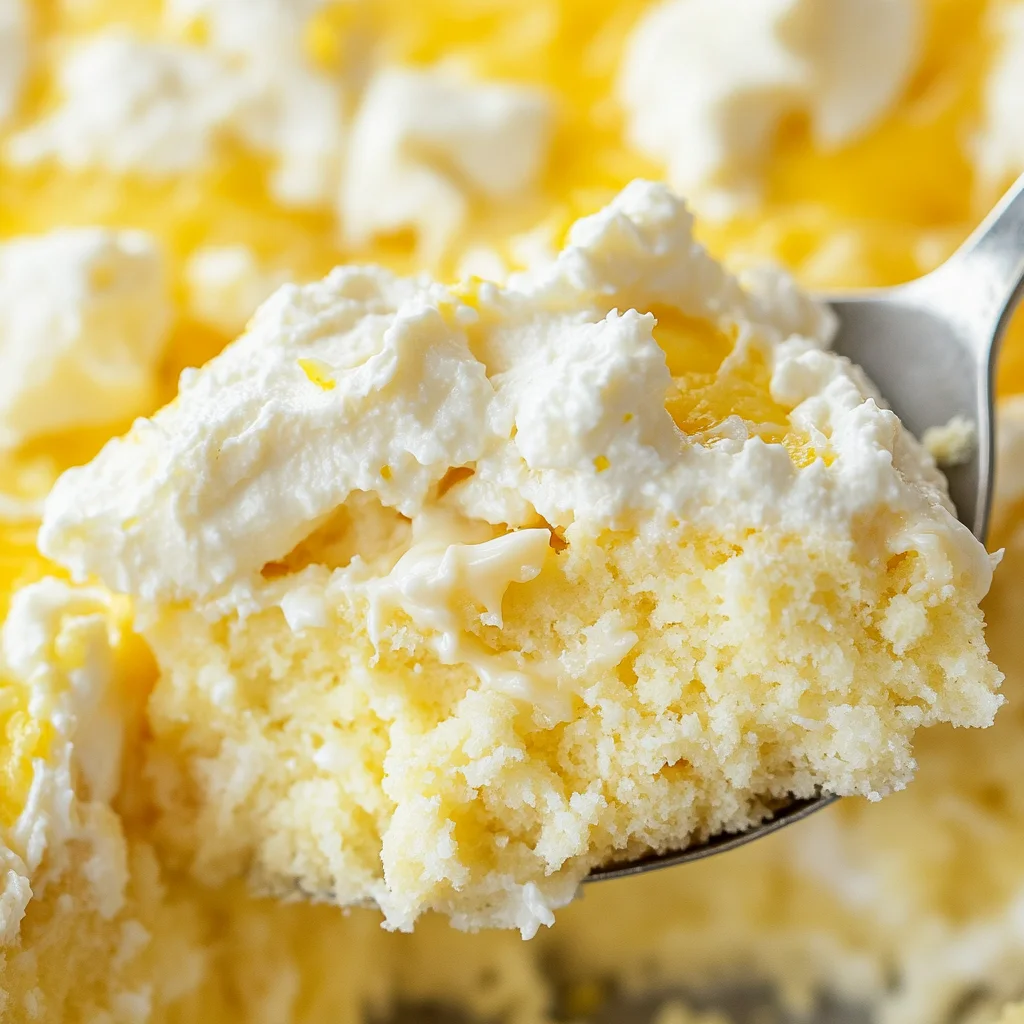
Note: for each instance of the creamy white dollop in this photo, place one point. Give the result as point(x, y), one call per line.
point(551, 389)
point(447, 565)
point(364, 361)
point(999, 146)
point(157, 109)
point(706, 83)
point(425, 143)
point(84, 316)
point(14, 54)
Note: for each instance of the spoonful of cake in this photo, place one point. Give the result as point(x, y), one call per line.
point(460, 594)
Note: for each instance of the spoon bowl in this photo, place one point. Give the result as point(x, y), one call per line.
point(930, 347)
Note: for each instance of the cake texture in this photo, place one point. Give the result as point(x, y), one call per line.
point(458, 592)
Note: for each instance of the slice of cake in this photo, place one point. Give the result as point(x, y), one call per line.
point(456, 593)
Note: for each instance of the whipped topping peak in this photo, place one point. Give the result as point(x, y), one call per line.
point(706, 83)
point(550, 397)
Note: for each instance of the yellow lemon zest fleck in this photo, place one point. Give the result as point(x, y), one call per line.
point(318, 373)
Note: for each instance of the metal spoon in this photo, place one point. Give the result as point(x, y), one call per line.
point(930, 346)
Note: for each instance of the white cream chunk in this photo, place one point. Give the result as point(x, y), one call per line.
point(706, 83)
point(952, 443)
point(439, 572)
point(298, 110)
point(57, 641)
point(297, 116)
point(424, 144)
point(225, 285)
point(14, 54)
point(369, 383)
point(130, 105)
point(999, 147)
point(84, 315)
point(160, 109)
point(861, 54)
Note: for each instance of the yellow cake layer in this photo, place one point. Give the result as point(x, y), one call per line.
point(763, 665)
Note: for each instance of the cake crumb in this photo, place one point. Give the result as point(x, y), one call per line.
point(952, 443)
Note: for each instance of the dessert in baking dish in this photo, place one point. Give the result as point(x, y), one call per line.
point(230, 159)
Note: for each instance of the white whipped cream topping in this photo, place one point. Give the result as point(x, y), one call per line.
point(999, 147)
point(84, 315)
point(158, 109)
point(226, 283)
point(50, 626)
point(705, 83)
point(14, 53)
point(425, 143)
point(552, 389)
point(363, 360)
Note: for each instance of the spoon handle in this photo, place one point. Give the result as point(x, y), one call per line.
point(980, 284)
